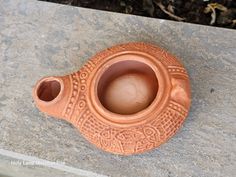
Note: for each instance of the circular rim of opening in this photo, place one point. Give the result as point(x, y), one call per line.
point(161, 97)
point(47, 79)
point(148, 72)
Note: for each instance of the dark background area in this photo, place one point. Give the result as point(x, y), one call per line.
point(221, 13)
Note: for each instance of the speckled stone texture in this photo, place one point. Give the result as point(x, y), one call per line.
point(39, 39)
point(10, 167)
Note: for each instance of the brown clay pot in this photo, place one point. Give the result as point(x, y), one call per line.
point(127, 99)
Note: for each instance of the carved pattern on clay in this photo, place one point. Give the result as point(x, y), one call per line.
point(78, 86)
point(133, 138)
point(162, 55)
point(73, 95)
point(177, 70)
point(138, 138)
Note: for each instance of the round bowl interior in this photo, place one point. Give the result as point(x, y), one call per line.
point(48, 90)
point(127, 87)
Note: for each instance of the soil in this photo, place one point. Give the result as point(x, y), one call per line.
point(221, 13)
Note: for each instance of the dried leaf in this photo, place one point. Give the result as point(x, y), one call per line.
point(218, 6)
point(148, 7)
point(128, 9)
point(162, 7)
point(212, 8)
point(233, 23)
point(170, 8)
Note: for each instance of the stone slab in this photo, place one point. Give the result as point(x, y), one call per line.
point(39, 39)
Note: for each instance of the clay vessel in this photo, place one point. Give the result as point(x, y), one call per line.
point(127, 99)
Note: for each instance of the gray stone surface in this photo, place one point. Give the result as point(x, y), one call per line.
point(10, 167)
point(39, 39)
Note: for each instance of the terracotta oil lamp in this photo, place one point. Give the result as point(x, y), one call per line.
point(127, 99)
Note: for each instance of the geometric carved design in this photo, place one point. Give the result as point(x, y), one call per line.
point(177, 70)
point(73, 95)
point(136, 138)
